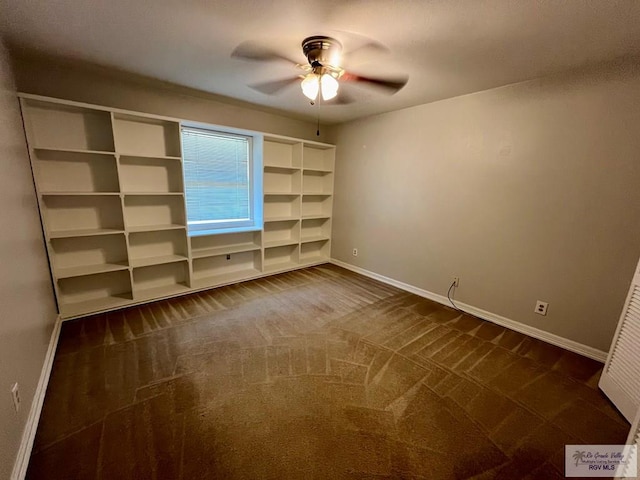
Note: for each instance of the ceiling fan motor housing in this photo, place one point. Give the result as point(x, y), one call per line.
point(322, 52)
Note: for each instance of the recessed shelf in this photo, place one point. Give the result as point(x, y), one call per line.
point(280, 243)
point(145, 211)
point(75, 194)
point(315, 229)
point(211, 252)
point(74, 150)
point(317, 238)
point(317, 183)
point(157, 260)
point(315, 251)
point(69, 272)
point(77, 256)
point(150, 175)
point(284, 218)
point(59, 171)
point(281, 170)
point(89, 293)
point(316, 206)
point(86, 232)
point(146, 137)
point(279, 153)
point(282, 182)
point(219, 269)
point(280, 257)
point(160, 280)
point(281, 207)
point(316, 158)
point(156, 227)
point(82, 213)
point(157, 194)
point(281, 233)
point(223, 244)
point(67, 127)
point(153, 248)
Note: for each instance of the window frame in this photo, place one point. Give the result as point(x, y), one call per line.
point(255, 222)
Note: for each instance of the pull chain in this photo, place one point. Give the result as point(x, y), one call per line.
point(318, 112)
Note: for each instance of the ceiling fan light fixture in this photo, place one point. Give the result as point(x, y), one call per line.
point(329, 86)
point(326, 84)
point(311, 86)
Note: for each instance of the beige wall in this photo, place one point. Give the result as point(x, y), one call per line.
point(99, 86)
point(27, 312)
point(526, 192)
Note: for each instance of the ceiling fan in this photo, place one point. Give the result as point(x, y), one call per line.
point(323, 74)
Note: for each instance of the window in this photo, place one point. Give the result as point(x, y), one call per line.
point(222, 181)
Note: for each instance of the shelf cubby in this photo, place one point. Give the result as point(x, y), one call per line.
point(224, 244)
point(151, 248)
point(281, 258)
point(281, 207)
point(221, 269)
point(63, 171)
point(319, 159)
point(317, 182)
point(83, 214)
point(58, 126)
point(150, 175)
point(160, 280)
point(281, 153)
point(281, 181)
point(146, 137)
point(74, 257)
point(315, 229)
point(313, 252)
point(90, 293)
point(281, 233)
point(316, 206)
point(153, 212)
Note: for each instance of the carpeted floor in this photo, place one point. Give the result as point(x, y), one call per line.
point(314, 374)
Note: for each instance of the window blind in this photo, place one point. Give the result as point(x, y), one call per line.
point(217, 178)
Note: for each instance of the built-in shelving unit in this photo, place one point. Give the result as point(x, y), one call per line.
point(111, 194)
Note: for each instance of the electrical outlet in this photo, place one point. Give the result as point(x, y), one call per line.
point(541, 307)
point(15, 395)
point(456, 282)
point(355, 252)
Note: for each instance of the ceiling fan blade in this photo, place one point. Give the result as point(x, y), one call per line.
point(273, 87)
point(343, 98)
point(256, 52)
point(390, 85)
point(364, 51)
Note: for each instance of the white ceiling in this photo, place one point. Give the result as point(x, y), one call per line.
point(447, 47)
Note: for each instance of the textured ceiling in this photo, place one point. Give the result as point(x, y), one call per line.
point(447, 47)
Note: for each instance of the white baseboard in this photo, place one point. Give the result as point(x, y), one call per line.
point(551, 338)
point(29, 433)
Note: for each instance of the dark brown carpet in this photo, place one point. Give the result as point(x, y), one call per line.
point(315, 374)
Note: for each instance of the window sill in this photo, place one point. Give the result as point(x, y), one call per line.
point(218, 231)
